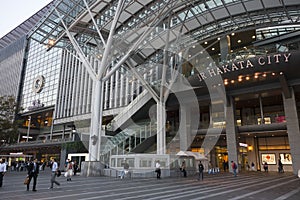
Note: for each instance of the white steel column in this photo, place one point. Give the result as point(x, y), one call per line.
point(72, 87)
point(106, 99)
point(161, 107)
point(89, 94)
point(111, 93)
point(81, 85)
point(132, 90)
point(117, 82)
point(96, 121)
point(121, 94)
point(126, 90)
point(85, 91)
point(161, 128)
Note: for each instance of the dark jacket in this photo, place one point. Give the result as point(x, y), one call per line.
point(200, 167)
point(33, 170)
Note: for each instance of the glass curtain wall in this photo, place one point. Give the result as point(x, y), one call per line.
point(251, 109)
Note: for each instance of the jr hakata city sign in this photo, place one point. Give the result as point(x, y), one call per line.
point(260, 61)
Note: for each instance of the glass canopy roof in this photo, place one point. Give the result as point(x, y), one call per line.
point(199, 19)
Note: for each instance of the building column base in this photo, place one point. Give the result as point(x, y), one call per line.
point(92, 168)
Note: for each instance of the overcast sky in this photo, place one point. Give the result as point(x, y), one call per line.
point(14, 12)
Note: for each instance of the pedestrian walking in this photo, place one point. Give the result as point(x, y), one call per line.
point(234, 167)
point(2, 170)
point(252, 166)
point(157, 169)
point(69, 170)
point(75, 167)
point(210, 168)
point(224, 165)
point(54, 170)
point(266, 167)
point(248, 166)
point(201, 169)
point(280, 166)
point(183, 168)
point(33, 171)
point(125, 169)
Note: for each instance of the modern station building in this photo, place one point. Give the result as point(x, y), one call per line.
point(143, 80)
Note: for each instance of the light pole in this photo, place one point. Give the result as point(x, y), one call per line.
point(28, 130)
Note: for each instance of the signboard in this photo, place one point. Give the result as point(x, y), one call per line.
point(286, 158)
point(269, 158)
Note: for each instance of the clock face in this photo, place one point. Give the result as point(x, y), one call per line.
point(38, 84)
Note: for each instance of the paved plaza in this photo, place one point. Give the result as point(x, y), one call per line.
point(251, 185)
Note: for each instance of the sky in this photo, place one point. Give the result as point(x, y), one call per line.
point(14, 12)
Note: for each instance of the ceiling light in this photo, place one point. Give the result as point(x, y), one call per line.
point(51, 42)
point(232, 81)
point(219, 38)
point(239, 41)
point(253, 36)
point(213, 48)
point(232, 34)
point(247, 78)
point(205, 42)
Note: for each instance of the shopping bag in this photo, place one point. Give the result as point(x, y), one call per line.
point(26, 181)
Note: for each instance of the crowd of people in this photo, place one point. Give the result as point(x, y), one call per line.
point(33, 167)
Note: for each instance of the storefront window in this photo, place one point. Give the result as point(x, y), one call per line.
point(251, 111)
point(273, 110)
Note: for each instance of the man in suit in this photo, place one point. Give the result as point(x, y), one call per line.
point(33, 171)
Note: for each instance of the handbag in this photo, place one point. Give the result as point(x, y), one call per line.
point(26, 181)
point(58, 173)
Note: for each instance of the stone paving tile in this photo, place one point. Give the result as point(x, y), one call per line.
point(251, 185)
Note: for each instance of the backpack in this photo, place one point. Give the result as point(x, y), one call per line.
point(234, 166)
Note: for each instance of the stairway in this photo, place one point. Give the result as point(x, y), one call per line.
point(129, 139)
point(129, 111)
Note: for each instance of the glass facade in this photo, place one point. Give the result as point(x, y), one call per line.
point(45, 64)
point(11, 60)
